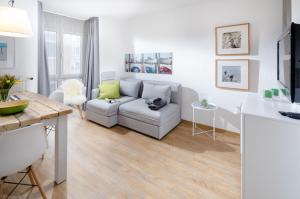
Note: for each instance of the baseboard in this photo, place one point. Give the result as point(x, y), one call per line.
point(219, 130)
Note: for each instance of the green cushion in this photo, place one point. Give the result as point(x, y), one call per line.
point(109, 89)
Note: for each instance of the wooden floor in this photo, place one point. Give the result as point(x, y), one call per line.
point(120, 163)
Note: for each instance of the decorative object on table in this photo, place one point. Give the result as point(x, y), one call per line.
point(268, 94)
point(233, 40)
point(232, 74)
point(6, 83)
point(209, 108)
point(204, 102)
point(153, 63)
point(285, 91)
point(12, 107)
point(14, 22)
point(7, 53)
point(275, 92)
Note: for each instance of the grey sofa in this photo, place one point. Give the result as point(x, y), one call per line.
point(133, 112)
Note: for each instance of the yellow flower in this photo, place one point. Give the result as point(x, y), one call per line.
point(18, 81)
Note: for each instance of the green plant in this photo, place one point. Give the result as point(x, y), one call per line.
point(204, 103)
point(6, 83)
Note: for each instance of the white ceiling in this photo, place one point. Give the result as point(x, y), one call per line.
point(112, 8)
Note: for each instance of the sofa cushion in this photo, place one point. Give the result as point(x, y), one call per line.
point(138, 110)
point(105, 108)
point(130, 87)
point(176, 90)
point(154, 91)
point(109, 89)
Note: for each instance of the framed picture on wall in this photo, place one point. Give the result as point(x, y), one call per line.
point(233, 40)
point(165, 63)
point(232, 74)
point(7, 53)
point(151, 63)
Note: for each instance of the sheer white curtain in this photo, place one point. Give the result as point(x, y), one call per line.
point(43, 70)
point(65, 48)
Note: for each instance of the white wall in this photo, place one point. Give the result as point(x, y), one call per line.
point(296, 11)
point(188, 32)
point(26, 48)
point(114, 43)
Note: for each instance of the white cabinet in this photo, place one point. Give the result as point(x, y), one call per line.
point(270, 150)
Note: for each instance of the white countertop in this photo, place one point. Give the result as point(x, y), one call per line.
point(258, 106)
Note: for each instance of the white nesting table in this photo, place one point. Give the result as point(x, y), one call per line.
point(209, 108)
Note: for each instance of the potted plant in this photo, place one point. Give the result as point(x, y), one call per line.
point(6, 83)
point(204, 103)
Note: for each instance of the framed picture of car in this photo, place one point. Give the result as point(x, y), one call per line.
point(165, 69)
point(165, 63)
point(151, 63)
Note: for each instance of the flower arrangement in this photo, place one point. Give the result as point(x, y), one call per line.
point(6, 83)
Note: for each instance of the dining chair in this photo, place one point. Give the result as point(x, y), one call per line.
point(71, 92)
point(19, 149)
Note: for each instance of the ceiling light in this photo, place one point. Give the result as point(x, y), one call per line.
point(14, 22)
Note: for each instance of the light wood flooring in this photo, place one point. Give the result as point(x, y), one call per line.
point(120, 163)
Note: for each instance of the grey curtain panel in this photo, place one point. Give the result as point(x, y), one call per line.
point(91, 64)
point(43, 71)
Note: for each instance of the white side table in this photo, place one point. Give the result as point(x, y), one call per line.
point(210, 108)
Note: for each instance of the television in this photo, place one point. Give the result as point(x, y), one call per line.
point(288, 63)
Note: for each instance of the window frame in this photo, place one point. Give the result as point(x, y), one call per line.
point(59, 76)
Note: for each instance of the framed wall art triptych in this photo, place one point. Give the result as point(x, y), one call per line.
point(152, 63)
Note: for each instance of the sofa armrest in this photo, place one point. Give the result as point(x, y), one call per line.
point(57, 95)
point(95, 93)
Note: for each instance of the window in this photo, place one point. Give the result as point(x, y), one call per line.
point(68, 64)
point(50, 42)
point(71, 54)
point(63, 43)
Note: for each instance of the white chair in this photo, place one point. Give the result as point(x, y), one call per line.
point(71, 92)
point(18, 150)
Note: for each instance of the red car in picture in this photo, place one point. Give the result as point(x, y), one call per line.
point(165, 70)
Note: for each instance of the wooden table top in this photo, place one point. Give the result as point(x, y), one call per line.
point(39, 108)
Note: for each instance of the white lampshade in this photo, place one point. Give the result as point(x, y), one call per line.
point(14, 22)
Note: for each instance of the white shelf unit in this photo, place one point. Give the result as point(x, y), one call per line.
point(270, 147)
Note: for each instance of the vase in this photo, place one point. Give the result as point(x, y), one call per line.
point(4, 94)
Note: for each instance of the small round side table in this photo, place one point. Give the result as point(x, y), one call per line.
point(210, 108)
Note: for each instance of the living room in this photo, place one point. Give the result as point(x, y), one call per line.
point(149, 99)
